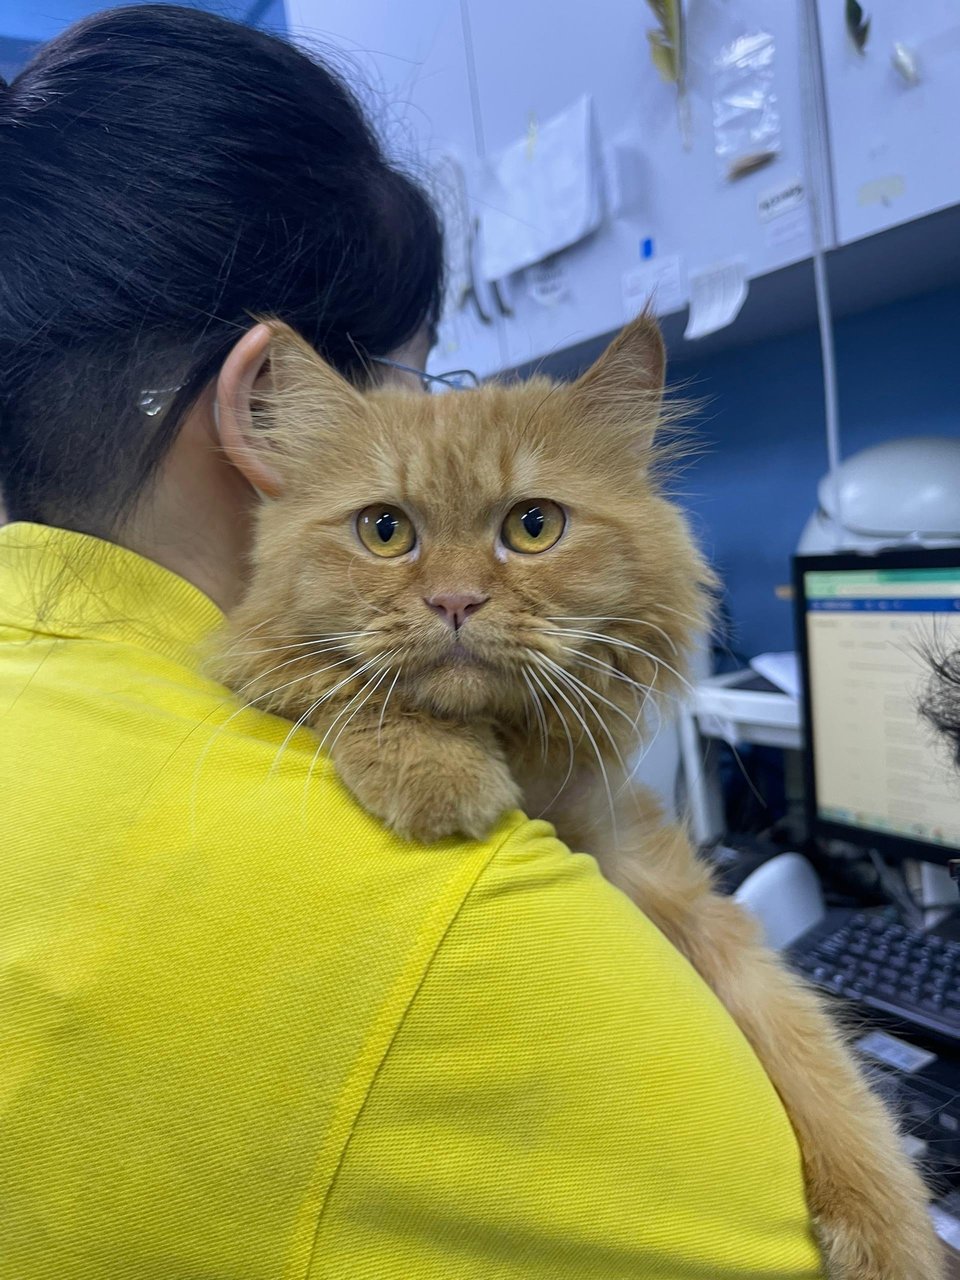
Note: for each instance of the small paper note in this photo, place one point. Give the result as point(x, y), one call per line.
point(781, 669)
point(791, 228)
point(658, 281)
point(548, 282)
point(716, 296)
point(783, 212)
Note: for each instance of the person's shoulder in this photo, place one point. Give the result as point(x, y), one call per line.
point(557, 1065)
point(565, 922)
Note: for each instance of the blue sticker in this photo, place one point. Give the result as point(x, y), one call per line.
point(646, 248)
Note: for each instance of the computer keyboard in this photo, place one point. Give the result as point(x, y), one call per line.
point(871, 959)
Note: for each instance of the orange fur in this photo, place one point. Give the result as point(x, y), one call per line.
point(542, 693)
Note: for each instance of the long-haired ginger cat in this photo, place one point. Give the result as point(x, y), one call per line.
point(471, 599)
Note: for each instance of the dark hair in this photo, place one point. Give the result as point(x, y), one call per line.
point(166, 175)
point(941, 701)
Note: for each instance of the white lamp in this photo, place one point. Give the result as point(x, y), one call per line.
point(904, 491)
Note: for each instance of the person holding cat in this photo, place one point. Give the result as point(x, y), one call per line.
point(291, 988)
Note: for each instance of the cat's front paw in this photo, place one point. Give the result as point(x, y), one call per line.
point(430, 804)
point(426, 780)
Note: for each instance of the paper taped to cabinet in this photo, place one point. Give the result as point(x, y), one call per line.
point(716, 296)
point(542, 194)
point(658, 283)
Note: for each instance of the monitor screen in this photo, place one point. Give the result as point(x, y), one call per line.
point(876, 772)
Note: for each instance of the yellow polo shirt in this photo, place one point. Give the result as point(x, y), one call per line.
point(247, 1034)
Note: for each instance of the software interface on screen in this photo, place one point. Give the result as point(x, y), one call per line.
point(877, 764)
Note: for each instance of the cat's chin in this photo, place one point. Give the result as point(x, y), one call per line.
point(457, 688)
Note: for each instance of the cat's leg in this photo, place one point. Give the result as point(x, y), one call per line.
point(426, 778)
point(867, 1200)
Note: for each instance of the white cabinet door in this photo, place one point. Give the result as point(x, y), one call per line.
point(408, 65)
point(895, 140)
point(674, 204)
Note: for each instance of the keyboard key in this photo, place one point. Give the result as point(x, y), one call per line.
point(877, 960)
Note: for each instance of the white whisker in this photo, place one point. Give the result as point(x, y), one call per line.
point(593, 742)
point(586, 694)
point(377, 680)
point(640, 622)
point(616, 642)
point(314, 706)
point(640, 690)
point(383, 709)
point(566, 730)
point(300, 644)
point(300, 657)
point(568, 675)
point(310, 675)
point(541, 719)
point(339, 716)
point(654, 736)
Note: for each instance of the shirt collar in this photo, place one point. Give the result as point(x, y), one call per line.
point(61, 583)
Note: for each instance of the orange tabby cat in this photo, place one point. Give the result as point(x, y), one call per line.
point(471, 599)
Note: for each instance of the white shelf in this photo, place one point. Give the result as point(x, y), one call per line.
point(716, 710)
point(746, 715)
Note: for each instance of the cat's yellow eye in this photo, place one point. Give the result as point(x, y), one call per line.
point(386, 531)
point(533, 525)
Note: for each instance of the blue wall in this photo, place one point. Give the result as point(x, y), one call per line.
point(750, 494)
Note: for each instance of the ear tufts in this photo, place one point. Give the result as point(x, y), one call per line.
point(622, 393)
point(635, 362)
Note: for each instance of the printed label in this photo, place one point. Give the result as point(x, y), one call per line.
point(893, 1052)
point(775, 201)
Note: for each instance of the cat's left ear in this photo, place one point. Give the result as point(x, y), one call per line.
point(272, 394)
point(624, 388)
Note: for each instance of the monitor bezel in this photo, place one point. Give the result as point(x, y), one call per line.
point(894, 846)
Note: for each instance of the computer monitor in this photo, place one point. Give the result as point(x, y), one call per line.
point(876, 775)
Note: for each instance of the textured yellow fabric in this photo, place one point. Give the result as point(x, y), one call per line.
point(246, 1034)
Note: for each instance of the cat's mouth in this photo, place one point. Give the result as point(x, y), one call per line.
point(457, 655)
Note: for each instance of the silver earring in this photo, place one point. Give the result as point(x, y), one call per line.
point(153, 402)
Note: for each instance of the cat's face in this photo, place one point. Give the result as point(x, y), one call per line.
point(482, 551)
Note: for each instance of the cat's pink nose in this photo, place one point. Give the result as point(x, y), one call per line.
point(456, 609)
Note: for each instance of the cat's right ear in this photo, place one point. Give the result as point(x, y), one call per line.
point(273, 393)
point(623, 390)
